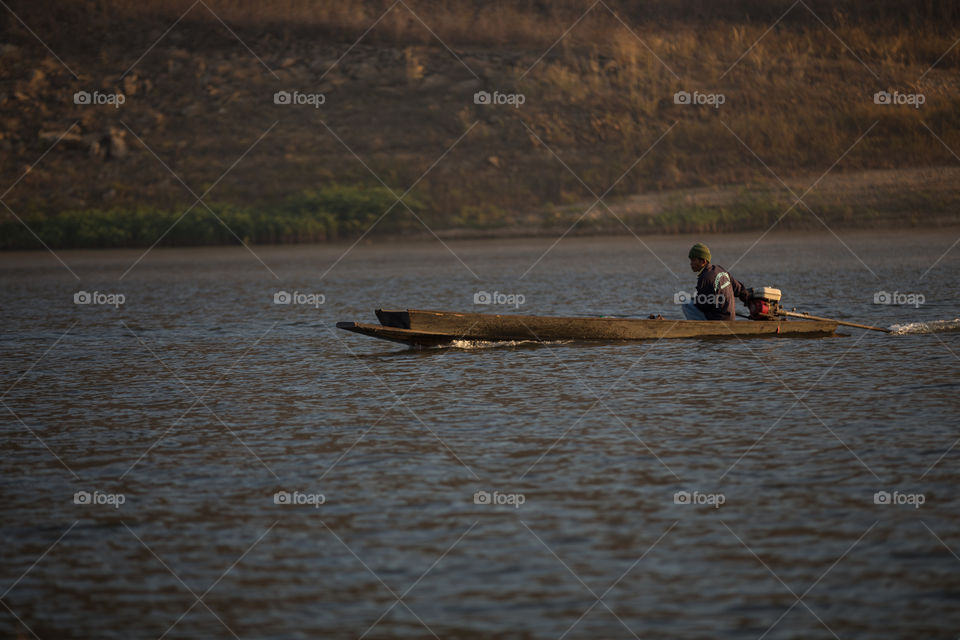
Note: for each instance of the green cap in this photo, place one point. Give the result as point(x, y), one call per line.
point(700, 250)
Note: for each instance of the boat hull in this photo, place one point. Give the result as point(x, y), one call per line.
point(433, 328)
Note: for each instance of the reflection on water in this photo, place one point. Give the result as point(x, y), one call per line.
point(198, 400)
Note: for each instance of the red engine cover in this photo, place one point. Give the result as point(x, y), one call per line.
point(759, 308)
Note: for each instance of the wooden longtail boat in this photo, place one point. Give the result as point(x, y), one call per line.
point(434, 328)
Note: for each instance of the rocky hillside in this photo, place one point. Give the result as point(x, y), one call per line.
point(128, 106)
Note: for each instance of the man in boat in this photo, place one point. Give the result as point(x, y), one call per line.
point(717, 290)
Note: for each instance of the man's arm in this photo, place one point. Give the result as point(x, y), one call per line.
point(739, 290)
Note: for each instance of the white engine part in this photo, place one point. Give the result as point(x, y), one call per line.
point(765, 293)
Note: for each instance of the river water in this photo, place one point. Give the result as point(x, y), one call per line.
point(192, 460)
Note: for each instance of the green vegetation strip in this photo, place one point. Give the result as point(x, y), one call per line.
point(329, 213)
point(338, 212)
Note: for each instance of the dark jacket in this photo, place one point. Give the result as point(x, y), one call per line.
point(717, 292)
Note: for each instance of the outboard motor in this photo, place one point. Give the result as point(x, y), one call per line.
point(764, 303)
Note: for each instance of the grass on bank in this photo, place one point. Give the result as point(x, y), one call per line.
point(330, 213)
point(340, 212)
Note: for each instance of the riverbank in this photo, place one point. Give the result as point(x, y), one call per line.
point(920, 198)
point(298, 99)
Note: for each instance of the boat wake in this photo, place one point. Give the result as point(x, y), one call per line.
point(936, 326)
point(486, 344)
